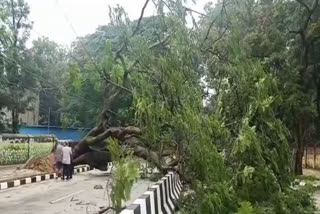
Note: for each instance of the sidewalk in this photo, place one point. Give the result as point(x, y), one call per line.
point(11, 172)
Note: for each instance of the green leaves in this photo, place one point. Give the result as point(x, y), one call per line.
point(126, 173)
point(18, 153)
point(75, 77)
point(107, 61)
point(245, 208)
point(17, 73)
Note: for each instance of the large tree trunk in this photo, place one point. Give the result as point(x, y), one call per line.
point(15, 121)
point(300, 133)
point(306, 41)
point(299, 152)
point(92, 149)
point(298, 161)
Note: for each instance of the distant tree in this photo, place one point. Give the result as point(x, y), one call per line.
point(17, 79)
point(50, 62)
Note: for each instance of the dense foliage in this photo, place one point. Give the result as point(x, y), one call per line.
point(15, 60)
point(234, 92)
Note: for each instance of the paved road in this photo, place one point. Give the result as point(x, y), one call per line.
point(55, 196)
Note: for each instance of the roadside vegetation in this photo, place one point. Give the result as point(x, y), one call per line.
point(19, 153)
point(230, 94)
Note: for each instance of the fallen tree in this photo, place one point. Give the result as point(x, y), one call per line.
point(165, 90)
point(92, 149)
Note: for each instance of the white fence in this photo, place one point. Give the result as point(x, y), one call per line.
point(20, 138)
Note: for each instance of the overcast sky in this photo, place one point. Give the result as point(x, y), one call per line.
point(52, 18)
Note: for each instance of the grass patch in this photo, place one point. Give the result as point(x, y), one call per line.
point(307, 177)
point(17, 153)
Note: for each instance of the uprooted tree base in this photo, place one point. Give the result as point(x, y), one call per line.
point(92, 149)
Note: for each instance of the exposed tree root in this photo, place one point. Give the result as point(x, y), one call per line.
point(92, 149)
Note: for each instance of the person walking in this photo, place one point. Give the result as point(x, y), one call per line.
point(66, 161)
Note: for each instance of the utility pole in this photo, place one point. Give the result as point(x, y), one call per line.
point(49, 121)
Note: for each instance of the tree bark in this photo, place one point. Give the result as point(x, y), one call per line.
point(304, 63)
point(88, 150)
point(300, 146)
point(298, 161)
point(15, 121)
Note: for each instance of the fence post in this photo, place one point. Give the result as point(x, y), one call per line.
point(28, 147)
point(314, 156)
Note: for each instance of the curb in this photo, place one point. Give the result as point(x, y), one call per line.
point(82, 169)
point(37, 178)
point(27, 180)
point(160, 198)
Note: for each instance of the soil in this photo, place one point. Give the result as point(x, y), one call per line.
point(34, 166)
point(43, 164)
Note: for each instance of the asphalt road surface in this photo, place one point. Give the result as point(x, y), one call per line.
point(56, 196)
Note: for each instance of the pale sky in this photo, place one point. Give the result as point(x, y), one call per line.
point(52, 18)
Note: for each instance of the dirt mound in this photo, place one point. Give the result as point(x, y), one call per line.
point(42, 164)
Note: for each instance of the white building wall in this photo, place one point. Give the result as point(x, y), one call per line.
point(30, 117)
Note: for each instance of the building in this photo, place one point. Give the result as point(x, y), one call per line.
point(29, 117)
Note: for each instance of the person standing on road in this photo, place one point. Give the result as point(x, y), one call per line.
point(72, 144)
point(58, 157)
point(66, 161)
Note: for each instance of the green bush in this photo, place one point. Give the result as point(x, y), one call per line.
point(17, 153)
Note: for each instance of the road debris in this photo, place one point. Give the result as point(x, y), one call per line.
point(99, 186)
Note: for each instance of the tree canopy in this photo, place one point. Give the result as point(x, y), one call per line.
point(228, 97)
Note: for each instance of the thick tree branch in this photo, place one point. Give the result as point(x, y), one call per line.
point(211, 25)
point(127, 137)
point(118, 52)
point(304, 5)
point(115, 132)
point(208, 31)
point(140, 18)
point(128, 70)
point(20, 18)
point(215, 41)
point(154, 158)
point(309, 10)
point(184, 7)
point(314, 7)
point(194, 11)
point(117, 85)
point(295, 31)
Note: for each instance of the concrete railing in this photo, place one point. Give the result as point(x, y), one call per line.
point(161, 198)
point(21, 138)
